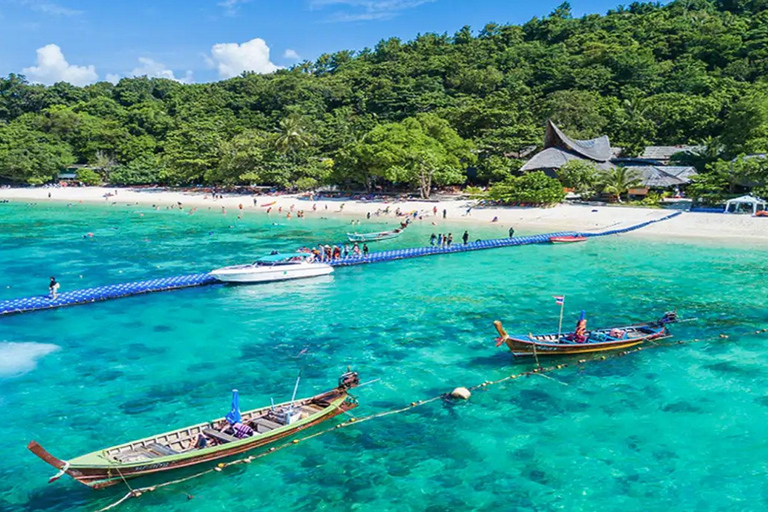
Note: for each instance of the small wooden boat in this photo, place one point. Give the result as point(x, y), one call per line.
point(597, 340)
point(171, 450)
point(567, 239)
point(373, 237)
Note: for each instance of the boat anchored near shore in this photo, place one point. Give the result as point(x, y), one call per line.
point(275, 267)
point(204, 442)
point(582, 341)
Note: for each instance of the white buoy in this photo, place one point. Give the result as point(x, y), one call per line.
point(462, 393)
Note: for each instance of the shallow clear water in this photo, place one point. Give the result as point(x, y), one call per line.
point(674, 428)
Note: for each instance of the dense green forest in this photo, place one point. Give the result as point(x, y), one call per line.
point(417, 114)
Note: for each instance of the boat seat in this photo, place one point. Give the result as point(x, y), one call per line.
point(161, 449)
point(264, 425)
point(220, 436)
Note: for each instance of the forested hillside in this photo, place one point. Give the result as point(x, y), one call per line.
point(419, 112)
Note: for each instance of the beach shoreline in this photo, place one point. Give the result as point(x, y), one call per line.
point(565, 217)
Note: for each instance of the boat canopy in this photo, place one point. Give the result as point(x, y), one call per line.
point(274, 258)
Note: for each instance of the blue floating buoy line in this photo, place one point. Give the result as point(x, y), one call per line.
point(116, 291)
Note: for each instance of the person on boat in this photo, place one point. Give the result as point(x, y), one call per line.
point(449, 240)
point(200, 442)
point(580, 334)
point(346, 250)
point(356, 249)
point(465, 237)
point(433, 239)
point(336, 252)
point(365, 250)
point(440, 240)
point(53, 288)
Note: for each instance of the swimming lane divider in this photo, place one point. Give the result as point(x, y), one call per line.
point(116, 291)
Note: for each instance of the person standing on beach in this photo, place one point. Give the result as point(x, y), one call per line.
point(445, 212)
point(511, 232)
point(432, 239)
point(434, 211)
point(465, 237)
point(53, 288)
point(365, 250)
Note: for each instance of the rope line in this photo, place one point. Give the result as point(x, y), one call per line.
point(540, 371)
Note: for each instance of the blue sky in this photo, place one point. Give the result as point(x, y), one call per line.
point(205, 40)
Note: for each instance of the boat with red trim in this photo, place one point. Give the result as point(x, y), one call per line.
point(567, 239)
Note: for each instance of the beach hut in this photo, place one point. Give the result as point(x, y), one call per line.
point(744, 203)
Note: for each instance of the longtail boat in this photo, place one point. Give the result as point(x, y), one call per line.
point(202, 442)
point(581, 342)
point(374, 237)
point(567, 239)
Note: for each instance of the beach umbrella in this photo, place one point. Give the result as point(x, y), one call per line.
point(233, 416)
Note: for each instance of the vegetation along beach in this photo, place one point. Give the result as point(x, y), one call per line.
point(410, 260)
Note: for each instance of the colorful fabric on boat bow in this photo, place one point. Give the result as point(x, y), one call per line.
point(580, 334)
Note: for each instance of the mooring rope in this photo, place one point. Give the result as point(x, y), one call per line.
point(539, 370)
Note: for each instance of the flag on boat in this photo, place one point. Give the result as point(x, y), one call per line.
point(233, 416)
point(559, 300)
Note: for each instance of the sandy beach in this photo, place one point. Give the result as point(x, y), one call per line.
point(710, 226)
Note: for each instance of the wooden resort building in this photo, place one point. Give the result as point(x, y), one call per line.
point(652, 172)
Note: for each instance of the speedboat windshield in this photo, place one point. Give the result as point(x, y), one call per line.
point(282, 259)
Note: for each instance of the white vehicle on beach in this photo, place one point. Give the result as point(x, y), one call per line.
point(275, 267)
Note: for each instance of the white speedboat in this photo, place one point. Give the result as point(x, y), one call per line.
point(275, 267)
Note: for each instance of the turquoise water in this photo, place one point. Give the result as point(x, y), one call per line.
point(674, 428)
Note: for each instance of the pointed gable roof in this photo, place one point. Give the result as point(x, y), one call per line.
point(598, 149)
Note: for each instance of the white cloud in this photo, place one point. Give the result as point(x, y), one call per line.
point(153, 69)
point(51, 8)
point(366, 10)
point(112, 78)
point(231, 6)
point(232, 59)
point(291, 54)
point(52, 67)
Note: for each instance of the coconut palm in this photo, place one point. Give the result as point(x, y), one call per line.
point(619, 180)
point(292, 134)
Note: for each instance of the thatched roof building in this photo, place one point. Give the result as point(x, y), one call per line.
point(559, 148)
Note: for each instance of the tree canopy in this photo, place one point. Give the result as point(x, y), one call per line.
point(416, 113)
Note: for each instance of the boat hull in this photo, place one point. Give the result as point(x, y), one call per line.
point(373, 237)
point(521, 348)
point(598, 340)
point(567, 239)
point(271, 274)
point(101, 469)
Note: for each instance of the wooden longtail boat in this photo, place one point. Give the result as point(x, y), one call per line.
point(171, 450)
point(597, 340)
point(373, 237)
point(567, 239)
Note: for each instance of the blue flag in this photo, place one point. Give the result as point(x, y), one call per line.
point(234, 414)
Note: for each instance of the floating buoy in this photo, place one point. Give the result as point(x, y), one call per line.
point(724, 336)
point(462, 393)
point(295, 441)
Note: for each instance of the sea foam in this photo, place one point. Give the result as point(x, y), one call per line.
point(17, 358)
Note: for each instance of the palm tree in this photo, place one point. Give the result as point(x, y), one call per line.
point(619, 180)
point(292, 134)
point(105, 162)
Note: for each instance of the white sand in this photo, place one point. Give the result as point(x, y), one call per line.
point(714, 227)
